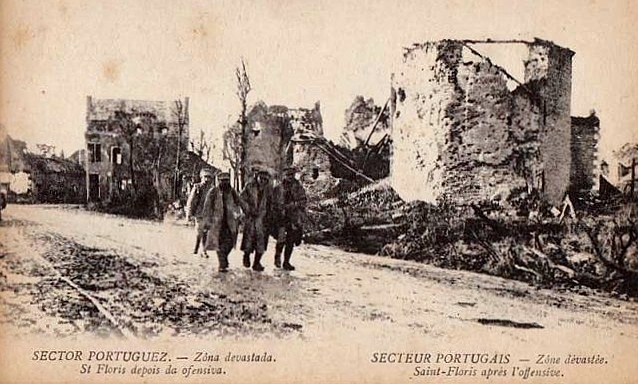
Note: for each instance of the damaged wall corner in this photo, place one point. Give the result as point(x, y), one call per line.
point(274, 143)
point(460, 133)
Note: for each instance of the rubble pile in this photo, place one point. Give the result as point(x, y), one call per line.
point(525, 239)
point(363, 220)
point(589, 249)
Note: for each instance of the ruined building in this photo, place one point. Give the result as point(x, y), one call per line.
point(156, 130)
point(269, 136)
point(361, 117)
point(470, 127)
point(282, 136)
point(55, 180)
point(585, 168)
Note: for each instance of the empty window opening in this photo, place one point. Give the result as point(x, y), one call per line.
point(116, 155)
point(95, 152)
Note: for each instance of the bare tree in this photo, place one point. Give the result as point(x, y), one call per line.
point(233, 150)
point(243, 88)
point(180, 114)
point(202, 147)
point(154, 157)
point(127, 127)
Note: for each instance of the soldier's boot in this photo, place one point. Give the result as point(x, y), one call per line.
point(278, 249)
point(287, 256)
point(223, 261)
point(197, 241)
point(257, 263)
point(246, 259)
point(204, 241)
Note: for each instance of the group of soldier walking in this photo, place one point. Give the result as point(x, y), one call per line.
point(268, 210)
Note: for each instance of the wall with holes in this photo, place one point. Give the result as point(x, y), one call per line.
point(269, 134)
point(465, 130)
point(584, 145)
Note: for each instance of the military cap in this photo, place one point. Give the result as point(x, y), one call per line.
point(205, 172)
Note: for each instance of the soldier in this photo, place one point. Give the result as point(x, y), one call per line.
point(195, 207)
point(290, 210)
point(221, 217)
point(3, 201)
point(256, 198)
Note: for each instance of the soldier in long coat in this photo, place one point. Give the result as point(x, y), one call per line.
point(290, 207)
point(195, 208)
point(257, 199)
point(3, 202)
point(221, 218)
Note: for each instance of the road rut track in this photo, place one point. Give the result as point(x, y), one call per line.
point(109, 295)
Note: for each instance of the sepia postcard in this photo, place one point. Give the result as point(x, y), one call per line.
point(318, 191)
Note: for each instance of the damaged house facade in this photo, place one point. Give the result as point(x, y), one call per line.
point(158, 133)
point(467, 129)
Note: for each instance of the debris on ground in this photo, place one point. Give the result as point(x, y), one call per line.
point(585, 242)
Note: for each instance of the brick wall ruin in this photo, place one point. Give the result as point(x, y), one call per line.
point(312, 163)
point(270, 133)
point(584, 147)
point(466, 130)
point(281, 136)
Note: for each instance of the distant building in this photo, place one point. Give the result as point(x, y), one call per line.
point(55, 180)
point(12, 162)
point(623, 168)
point(159, 130)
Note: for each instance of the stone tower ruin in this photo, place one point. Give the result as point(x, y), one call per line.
point(469, 128)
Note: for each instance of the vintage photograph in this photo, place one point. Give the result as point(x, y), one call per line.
point(318, 191)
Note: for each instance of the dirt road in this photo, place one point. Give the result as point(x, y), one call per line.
point(67, 272)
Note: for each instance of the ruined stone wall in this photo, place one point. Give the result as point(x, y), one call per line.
point(270, 134)
point(461, 134)
point(270, 145)
point(549, 68)
point(312, 163)
point(584, 151)
point(420, 123)
point(478, 157)
point(313, 167)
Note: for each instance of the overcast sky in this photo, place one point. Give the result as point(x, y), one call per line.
point(55, 53)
